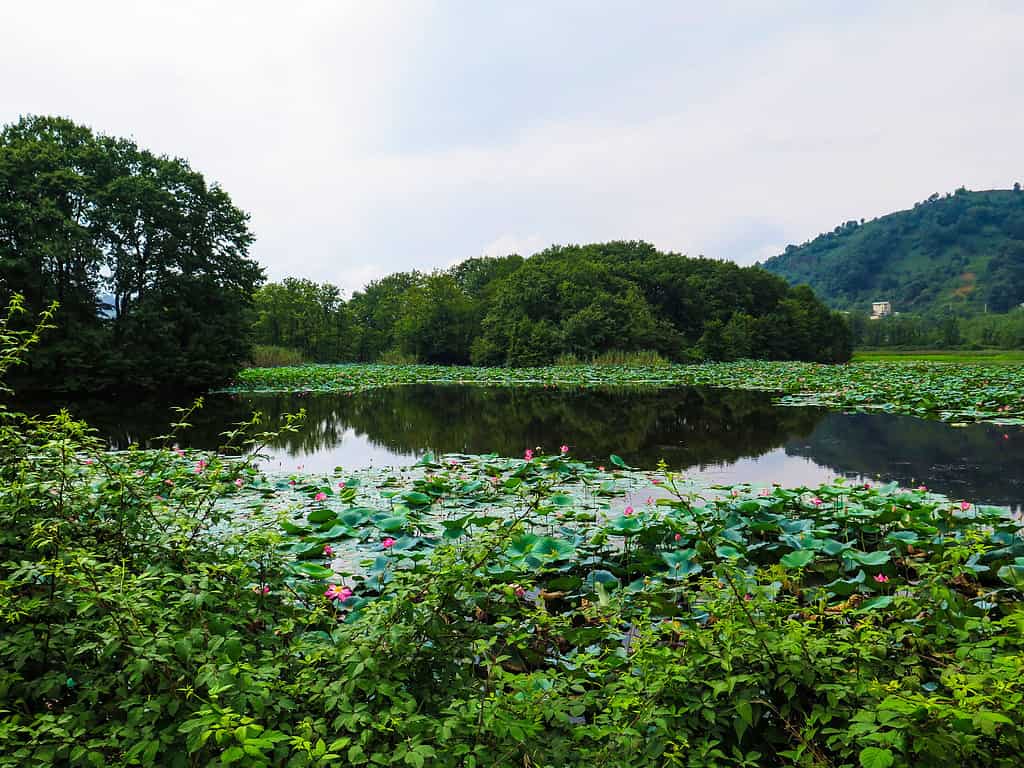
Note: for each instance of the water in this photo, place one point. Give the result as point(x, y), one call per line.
point(724, 436)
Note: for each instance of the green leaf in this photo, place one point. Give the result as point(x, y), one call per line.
point(562, 500)
point(798, 559)
point(312, 570)
point(415, 498)
point(624, 525)
point(881, 557)
point(321, 515)
point(727, 552)
point(392, 524)
point(618, 462)
point(875, 603)
point(875, 757)
point(1012, 575)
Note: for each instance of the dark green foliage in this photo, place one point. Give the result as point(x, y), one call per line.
point(147, 261)
point(306, 317)
point(585, 301)
point(962, 252)
point(940, 331)
point(578, 301)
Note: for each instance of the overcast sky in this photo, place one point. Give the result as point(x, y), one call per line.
point(369, 137)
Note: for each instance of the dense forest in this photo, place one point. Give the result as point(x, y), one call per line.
point(565, 303)
point(962, 253)
point(147, 262)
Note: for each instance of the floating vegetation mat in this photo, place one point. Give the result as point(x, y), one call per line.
point(954, 392)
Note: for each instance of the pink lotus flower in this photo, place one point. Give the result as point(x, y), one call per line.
point(338, 592)
point(341, 485)
point(239, 482)
point(139, 473)
point(678, 536)
point(200, 466)
point(650, 501)
point(816, 501)
point(965, 505)
point(321, 496)
point(627, 511)
point(388, 543)
point(600, 469)
point(264, 590)
point(328, 550)
point(564, 449)
point(519, 591)
point(656, 481)
point(528, 454)
point(291, 482)
point(867, 486)
point(881, 578)
point(922, 488)
point(87, 462)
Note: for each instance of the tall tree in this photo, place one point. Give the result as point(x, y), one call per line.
point(149, 262)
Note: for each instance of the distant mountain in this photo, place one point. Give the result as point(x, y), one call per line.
point(963, 251)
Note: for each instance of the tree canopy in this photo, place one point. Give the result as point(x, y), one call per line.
point(148, 261)
point(584, 301)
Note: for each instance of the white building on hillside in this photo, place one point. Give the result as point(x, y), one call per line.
point(880, 309)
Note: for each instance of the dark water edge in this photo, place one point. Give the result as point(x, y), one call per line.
point(725, 436)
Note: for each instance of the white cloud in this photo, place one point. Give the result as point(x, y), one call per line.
point(320, 118)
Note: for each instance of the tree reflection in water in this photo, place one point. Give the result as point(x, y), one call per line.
point(692, 429)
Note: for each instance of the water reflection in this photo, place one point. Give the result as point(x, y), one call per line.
point(722, 435)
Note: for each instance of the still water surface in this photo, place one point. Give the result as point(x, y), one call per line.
point(722, 436)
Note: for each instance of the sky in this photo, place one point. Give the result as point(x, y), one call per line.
point(365, 138)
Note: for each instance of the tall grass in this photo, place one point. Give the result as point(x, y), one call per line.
point(269, 356)
point(397, 357)
point(640, 358)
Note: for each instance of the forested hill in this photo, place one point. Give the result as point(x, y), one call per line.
point(963, 251)
point(573, 301)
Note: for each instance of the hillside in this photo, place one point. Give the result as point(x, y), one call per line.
point(963, 251)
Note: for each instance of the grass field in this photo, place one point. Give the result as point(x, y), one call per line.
point(940, 355)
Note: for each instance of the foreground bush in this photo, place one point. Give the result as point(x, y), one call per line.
point(170, 608)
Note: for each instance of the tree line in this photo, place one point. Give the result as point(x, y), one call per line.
point(940, 330)
point(149, 264)
point(567, 302)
